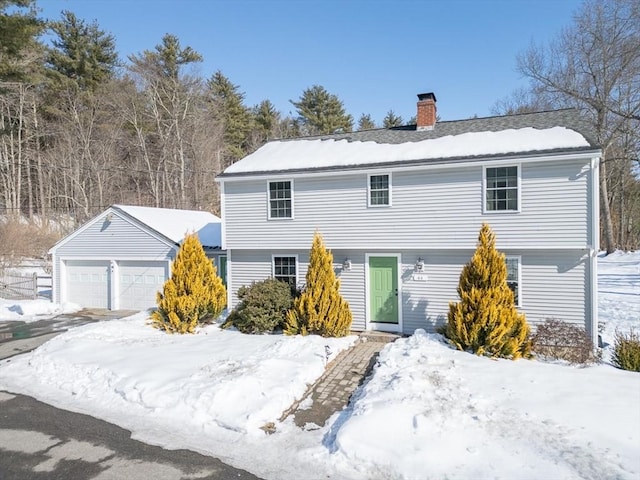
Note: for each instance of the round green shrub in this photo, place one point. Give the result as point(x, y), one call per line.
point(262, 307)
point(626, 351)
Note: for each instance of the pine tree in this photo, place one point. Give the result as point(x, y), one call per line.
point(392, 120)
point(228, 108)
point(365, 122)
point(193, 295)
point(322, 112)
point(486, 320)
point(320, 309)
point(19, 45)
point(82, 52)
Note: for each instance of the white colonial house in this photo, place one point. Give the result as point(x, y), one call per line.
point(121, 258)
point(401, 209)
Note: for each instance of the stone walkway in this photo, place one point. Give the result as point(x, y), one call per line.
point(331, 393)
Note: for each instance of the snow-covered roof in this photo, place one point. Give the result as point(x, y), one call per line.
point(551, 131)
point(323, 153)
point(174, 224)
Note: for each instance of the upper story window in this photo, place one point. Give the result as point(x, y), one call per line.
point(284, 269)
point(501, 189)
point(280, 199)
point(513, 277)
point(379, 190)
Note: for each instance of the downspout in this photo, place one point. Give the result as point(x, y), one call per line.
point(223, 234)
point(595, 246)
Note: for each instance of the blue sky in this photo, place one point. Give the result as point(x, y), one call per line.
point(375, 55)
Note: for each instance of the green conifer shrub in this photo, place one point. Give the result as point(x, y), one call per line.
point(626, 351)
point(262, 308)
point(486, 321)
point(320, 309)
point(193, 295)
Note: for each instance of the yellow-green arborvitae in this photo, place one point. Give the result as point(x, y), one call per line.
point(486, 320)
point(320, 309)
point(193, 295)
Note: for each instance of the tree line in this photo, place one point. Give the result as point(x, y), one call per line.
point(81, 129)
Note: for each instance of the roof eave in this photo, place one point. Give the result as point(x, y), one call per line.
point(416, 163)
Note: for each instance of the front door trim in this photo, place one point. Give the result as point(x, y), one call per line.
point(383, 327)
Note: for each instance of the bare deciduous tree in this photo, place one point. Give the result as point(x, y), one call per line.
point(595, 64)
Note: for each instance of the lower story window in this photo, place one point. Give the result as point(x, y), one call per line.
point(513, 277)
point(284, 269)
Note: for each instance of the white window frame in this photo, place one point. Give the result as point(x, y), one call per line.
point(389, 188)
point(285, 255)
point(269, 182)
point(485, 210)
point(518, 259)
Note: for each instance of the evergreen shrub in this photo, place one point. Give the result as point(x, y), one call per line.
point(563, 341)
point(626, 351)
point(485, 320)
point(193, 295)
point(262, 308)
point(320, 309)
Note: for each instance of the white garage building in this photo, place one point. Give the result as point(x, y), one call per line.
point(122, 257)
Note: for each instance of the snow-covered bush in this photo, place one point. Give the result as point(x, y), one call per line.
point(560, 340)
point(262, 307)
point(626, 351)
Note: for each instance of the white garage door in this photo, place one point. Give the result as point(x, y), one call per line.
point(139, 283)
point(88, 283)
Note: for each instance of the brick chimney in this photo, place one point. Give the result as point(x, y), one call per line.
point(426, 118)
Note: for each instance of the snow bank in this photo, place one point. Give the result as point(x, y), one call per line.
point(33, 310)
point(136, 375)
point(433, 412)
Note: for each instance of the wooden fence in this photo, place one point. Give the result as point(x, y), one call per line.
point(23, 287)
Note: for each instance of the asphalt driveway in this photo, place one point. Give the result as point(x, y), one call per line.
point(19, 337)
point(41, 442)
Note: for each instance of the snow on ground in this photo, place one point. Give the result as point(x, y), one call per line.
point(33, 310)
point(619, 295)
point(428, 411)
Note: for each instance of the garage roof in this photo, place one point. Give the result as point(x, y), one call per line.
point(174, 224)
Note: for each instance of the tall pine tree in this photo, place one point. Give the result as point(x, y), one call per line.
point(486, 320)
point(193, 295)
point(229, 109)
point(322, 112)
point(82, 52)
point(320, 309)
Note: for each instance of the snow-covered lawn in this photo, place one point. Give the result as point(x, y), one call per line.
point(428, 412)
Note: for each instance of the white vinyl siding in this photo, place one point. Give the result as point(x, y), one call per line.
point(431, 209)
point(280, 199)
point(379, 190)
point(551, 282)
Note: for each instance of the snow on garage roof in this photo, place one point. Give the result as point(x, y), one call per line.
point(329, 152)
point(174, 224)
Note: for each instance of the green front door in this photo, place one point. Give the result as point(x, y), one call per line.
point(383, 289)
